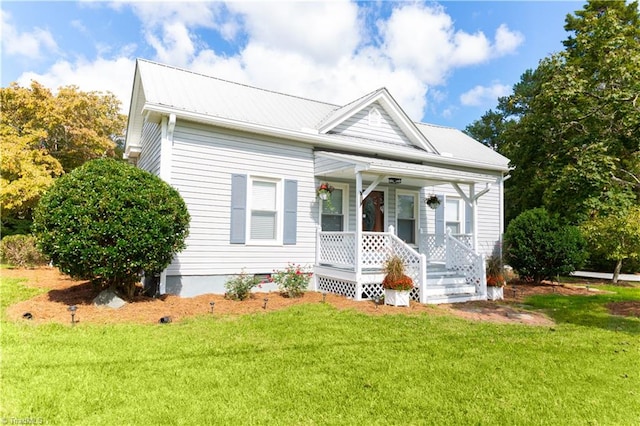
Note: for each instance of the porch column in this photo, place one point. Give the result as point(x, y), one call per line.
point(474, 212)
point(358, 266)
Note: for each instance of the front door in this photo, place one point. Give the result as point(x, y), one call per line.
point(373, 212)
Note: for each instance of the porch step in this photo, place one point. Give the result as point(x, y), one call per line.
point(453, 298)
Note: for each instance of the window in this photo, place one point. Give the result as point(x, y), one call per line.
point(263, 224)
point(334, 210)
point(406, 217)
point(453, 215)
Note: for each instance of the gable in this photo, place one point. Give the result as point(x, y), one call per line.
point(373, 122)
point(389, 122)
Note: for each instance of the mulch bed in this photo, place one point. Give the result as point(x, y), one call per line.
point(64, 291)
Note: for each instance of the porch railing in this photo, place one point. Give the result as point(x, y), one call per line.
point(435, 248)
point(463, 259)
point(337, 249)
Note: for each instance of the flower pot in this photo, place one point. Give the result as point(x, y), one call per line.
point(495, 293)
point(323, 196)
point(396, 297)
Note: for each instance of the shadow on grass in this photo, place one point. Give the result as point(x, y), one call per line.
point(591, 310)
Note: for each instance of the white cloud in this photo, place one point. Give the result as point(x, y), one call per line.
point(324, 31)
point(423, 39)
point(319, 50)
point(481, 95)
point(101, 75)
point(31, 44)
point(507, 41)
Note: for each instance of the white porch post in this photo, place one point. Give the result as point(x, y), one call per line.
point(358, 266)
point(474, 212)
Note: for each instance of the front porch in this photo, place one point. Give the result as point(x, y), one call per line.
point(378, 208)
point(444, 270)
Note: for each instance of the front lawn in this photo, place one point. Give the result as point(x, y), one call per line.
point(313, 364)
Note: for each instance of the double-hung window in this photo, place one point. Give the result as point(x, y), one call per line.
point(453, 215)
point(334, 210)
point(264, 211)
point(406, 214)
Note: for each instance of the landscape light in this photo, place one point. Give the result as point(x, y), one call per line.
point(265, 303)
point(212, 304)
point(324, 296)
point(73, 309)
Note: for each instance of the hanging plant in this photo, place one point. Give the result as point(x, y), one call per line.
point(433, 201)
point(324, 193)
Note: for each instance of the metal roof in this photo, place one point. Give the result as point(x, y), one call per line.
point(165, 89)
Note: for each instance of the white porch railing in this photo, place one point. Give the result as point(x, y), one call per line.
point(435, 248)
point(463, 259)
point(337, 249)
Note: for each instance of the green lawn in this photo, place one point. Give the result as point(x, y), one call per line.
point(312, 364)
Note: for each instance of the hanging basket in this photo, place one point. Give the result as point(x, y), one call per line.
point(433, 201)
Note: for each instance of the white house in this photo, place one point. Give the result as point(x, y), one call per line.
point(248, 163)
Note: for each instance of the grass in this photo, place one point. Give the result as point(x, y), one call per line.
point(590, 311)
point(312, 364)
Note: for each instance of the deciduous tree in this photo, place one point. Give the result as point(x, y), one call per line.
point(625, 226)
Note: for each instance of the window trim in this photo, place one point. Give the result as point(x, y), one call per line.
point(278, 241)
point(416, 212)
point(345, 205)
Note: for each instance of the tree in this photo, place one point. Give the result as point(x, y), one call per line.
point(572, 127)
point(45, 134)
point(25, 173)
point(539, 247)
point(625, 225)
point(110, 222)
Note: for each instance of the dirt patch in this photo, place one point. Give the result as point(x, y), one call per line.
point(63, 291)
point(626, 309)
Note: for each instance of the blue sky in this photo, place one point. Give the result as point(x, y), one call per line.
point(445, 63)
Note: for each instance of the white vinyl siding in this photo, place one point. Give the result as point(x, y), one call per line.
point(204, 160)
point(365, 124)
point(150, 148)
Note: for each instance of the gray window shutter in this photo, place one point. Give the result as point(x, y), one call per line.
point(290, 211)
point(440, 224)
point(238, 208)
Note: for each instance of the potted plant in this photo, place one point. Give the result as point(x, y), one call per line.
point(397, 285)
point(433, 201)
point(495, 279)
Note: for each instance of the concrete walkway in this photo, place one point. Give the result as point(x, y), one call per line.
point(606, 276)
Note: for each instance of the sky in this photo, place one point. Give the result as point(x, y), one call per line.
point(445, 63)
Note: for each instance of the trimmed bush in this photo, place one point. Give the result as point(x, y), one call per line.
point(538, 247)
point(21, 250)
point(108, 221)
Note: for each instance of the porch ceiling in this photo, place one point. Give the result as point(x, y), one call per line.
point(344, 166)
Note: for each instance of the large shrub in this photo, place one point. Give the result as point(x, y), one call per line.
point(537, 246)
point(21, 250)
point(109, 221)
